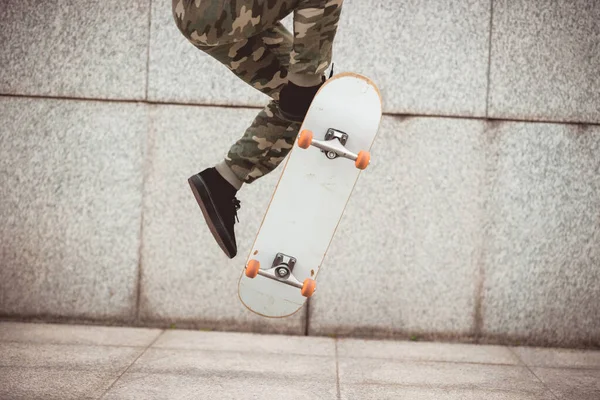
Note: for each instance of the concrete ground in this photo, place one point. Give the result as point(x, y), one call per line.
point(46, 361)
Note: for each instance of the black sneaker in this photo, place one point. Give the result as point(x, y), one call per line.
point(216, 198)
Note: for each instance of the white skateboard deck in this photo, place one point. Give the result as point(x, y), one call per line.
point(311, 195)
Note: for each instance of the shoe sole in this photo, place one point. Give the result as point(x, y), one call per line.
point(212, 217)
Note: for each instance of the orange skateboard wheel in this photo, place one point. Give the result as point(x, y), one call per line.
point(252, 268)
point(362, 161)
point(305, 139)
point(308, 287)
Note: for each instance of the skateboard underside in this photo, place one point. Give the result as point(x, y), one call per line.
point(310, 196)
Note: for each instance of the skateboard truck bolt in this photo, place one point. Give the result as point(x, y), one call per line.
point(282, 272)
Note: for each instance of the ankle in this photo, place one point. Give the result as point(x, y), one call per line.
point(225, 171)
point(305, 80)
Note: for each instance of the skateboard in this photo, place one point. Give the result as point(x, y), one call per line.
point(317, 180)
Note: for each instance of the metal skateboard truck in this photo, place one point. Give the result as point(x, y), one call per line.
point(281, 270)
point(333, 146)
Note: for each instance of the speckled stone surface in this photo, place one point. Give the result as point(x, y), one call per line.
point(461, 227)
point(74, 49)
point(55, 384)
point(404, 258)
point(412, 351)
point(386, 379)
point(81, 357)
point(575, 384)
point(71, 184)
point(545, 60)
point(542, 238)
point(563, 358)
point(188, 364)
point(186, 277)
point(457, 227)
point(35, 333)
point(427, 58)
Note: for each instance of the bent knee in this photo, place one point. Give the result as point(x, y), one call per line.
point(206, 22)
point(196, 21)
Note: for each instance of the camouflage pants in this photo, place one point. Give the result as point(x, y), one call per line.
point(249, 39)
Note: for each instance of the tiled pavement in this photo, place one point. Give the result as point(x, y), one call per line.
point(47, 361)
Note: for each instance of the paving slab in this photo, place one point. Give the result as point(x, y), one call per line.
point(53, 384)
point(187, 364)
point(426, 351)
point(438, 375)
point(76, 334)
point(246, 342)
point(395, 392)
point(206, 362)
point(571, 384)
point(72, 357)
point(202, 373)
point(58, 361)
point(565, 358)
point(244, 386)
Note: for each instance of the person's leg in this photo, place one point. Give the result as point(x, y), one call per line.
point(261, 61)
point(264, 145)
point(221, 30)
point(269, 138)
point(219, 22)
point(210, 23)
point(315, 26)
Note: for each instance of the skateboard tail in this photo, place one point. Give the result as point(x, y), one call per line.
point(266, 304)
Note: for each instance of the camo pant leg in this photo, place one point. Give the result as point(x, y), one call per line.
point(315, 26)
point(269, 137)
point(247, 37)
